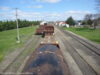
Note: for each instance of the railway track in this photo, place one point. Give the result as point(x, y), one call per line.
point(83, 65)
point(81, 40)
point(85, 43)
point(82, 57)
point(87, 59)
point(14, 65)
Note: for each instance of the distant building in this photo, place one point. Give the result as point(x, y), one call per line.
point(43, 23)
point(62, 23)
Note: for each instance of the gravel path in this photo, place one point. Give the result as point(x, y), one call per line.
point(85, 60)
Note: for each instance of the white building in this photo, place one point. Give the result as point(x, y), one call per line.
point(43, 23)
point(62, 24)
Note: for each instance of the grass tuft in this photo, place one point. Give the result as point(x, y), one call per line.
point(91, 34)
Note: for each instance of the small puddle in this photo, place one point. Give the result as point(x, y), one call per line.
point(48, 47)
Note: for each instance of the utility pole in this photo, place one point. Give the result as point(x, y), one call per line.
point(18, 38)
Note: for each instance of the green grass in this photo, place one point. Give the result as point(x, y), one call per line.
point(8, 39)
point(91, 34)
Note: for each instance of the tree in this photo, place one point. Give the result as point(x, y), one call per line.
point(88, 16)
point(70, 21)
point(96, 20)
point(83, 22)
point(92, 20)
point(88, 19)
point(97, 15)
point(89, 22)
point(7, 25)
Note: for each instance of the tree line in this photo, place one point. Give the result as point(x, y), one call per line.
point(8, 25)
point(91, 20)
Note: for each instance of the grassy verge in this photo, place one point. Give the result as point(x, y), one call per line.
point(91, 34)
point(8, 39)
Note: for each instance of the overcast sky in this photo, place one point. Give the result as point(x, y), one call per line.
point(50, 10)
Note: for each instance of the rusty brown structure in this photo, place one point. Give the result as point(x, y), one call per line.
point(45, 30)
point(39, 31)
point(49, 30)
point(47, 59)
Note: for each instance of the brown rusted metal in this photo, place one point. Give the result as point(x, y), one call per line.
point(40, 29)
point(49, 30)
point(46, 60)
point(45, 30)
